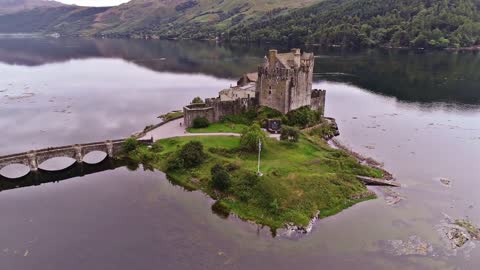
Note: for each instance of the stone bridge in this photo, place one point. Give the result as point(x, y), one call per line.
point(77, 151)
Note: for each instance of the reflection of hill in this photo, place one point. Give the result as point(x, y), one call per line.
point(406, 75)
point(184, 57)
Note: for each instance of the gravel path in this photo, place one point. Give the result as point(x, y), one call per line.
point(176, 128)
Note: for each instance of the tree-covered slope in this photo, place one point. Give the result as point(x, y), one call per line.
point(360, 23)
point(187, 18)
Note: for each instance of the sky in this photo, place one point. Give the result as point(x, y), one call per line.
point(94, 3)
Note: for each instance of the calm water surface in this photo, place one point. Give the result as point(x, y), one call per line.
point(417, 113)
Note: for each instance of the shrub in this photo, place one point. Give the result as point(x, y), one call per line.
point(290, 134)
point(325, 131)
point(157, 147)
point(250, 138)
point(192, 154)
point(303, 117)
point(225, 152)
point(220, 178)
point(200, 122)
point(174, 163)
point(197, 100)
point(130, 145)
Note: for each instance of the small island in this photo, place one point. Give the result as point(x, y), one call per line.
point(260, 149)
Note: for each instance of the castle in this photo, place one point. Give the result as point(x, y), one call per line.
point(283, 82)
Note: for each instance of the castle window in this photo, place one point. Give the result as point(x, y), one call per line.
point(270, 92)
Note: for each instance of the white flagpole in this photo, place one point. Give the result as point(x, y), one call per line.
point(259, 151)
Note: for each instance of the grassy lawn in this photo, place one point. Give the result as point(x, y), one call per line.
point(299, 179)
point(219, 128)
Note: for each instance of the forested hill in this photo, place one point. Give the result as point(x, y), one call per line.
point(361, 23)
point(347, 23)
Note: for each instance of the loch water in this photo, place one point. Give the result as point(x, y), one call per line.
point(418, 112)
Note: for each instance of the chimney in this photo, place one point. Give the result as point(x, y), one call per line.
point(272, 56)
point(296, 56)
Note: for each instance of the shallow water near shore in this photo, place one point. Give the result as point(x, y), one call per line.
point(416, 113)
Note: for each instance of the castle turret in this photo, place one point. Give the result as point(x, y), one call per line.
point(285, 83)
point(272, 57)
point(296, 57)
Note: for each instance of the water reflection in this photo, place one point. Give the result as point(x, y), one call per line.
point(412, 76)
point(48, 176)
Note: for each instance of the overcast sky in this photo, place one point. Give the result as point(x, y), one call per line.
point(94, 3)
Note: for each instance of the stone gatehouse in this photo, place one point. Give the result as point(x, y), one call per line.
point(283, 82)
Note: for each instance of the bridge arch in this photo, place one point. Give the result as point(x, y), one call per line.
point(95, 157)
point(15, 171)
point(55, 164)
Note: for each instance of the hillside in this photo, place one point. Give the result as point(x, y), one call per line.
point(13, 6)
point(195, 19)
point(346, 23)
point(362, 23)
point(67, 20)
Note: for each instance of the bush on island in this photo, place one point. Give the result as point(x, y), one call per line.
point(303, 117)
point(197, 100)
point(290, 134)
point(220, 178)
point(192, 154)
point(189, 156)
point(200, 122)
point(250, 138)
point(130, 145)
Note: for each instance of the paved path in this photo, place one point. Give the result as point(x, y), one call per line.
point(174, 129)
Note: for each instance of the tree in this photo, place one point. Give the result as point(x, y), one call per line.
point(303, 117)
point(130, 145)
point(200, 122)
point(290, 134)
point(220, 178)
point(250, 138)
point(192, 154)
point(197, 100)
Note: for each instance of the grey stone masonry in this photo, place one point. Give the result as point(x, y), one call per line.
point(35, 157)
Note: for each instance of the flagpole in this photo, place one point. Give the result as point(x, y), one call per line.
point(259, 151)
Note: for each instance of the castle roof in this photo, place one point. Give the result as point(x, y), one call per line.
point(252, 77)
point(287, 60)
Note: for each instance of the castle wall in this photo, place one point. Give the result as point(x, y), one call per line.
point(318, 101)
point(230, 107)
point(193, 111)
point(272, 88)
point(285, 89)
point(300, 93)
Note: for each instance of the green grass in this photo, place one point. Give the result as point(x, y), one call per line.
point(219, 128)
point(171, 115)
point(299, 179)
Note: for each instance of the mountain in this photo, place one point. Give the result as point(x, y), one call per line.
point(67, 20)
point(192, 19)
point(13, 6)
point(195, 19)
point(346, 23)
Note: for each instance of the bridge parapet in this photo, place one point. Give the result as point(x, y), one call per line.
point(35, 157)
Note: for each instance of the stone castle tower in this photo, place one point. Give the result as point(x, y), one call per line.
point(285, 80)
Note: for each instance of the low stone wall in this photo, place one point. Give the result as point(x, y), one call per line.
point(232, 107)
point(215, 110)
point(190, 112)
